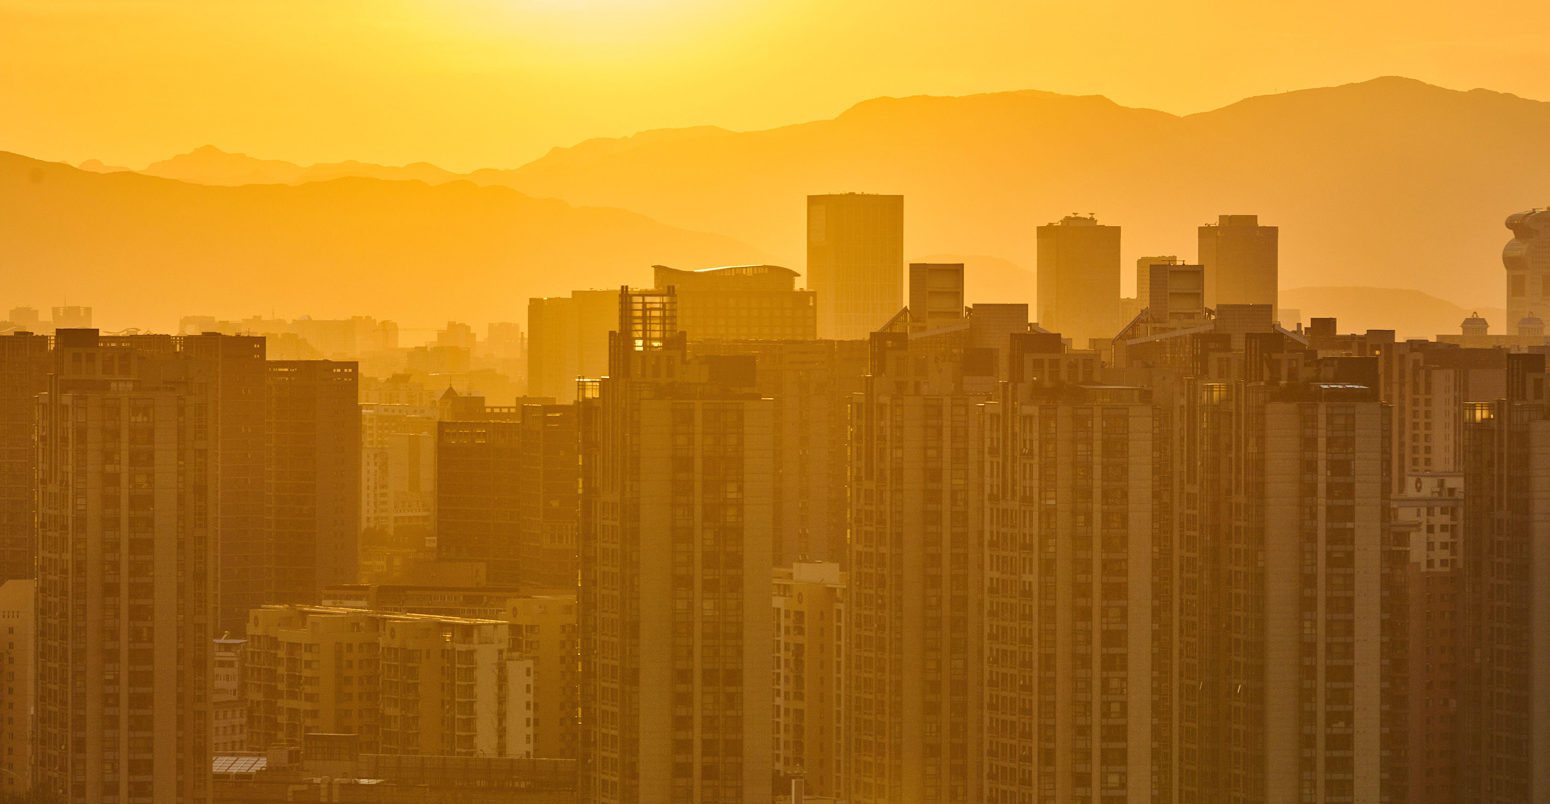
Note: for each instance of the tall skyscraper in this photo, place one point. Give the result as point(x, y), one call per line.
point(1079, 279)
point(855, 261)
point(1332, 618)
point(1527, 260)
point(1241, 259)
point(24, 366)
point(676, 639)
point(741, 302)
point(127, 578)
point(234, 371)
point(914, 638)
point(1076, 635)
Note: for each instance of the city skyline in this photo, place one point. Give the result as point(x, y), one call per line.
point(658, 401)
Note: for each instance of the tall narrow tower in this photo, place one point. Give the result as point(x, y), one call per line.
point(675, 626)
point(855, 261)
point(127, 545)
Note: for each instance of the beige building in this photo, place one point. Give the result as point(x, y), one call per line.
point(405, 684)
point(810, 384)
point(855, 261)
point(398, 468)
point(229, 721)
point(675, 573)
point(1329, 558)
point(18, 609)
point(1078, 278)
point(741, 302)
point(913, 636)
point(809, 729)
point(568, 339)
point(1241, 259)
point(1072, 700)
point(127, 491)
point(543, 632)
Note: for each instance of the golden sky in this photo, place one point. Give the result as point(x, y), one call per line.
point(494, 83)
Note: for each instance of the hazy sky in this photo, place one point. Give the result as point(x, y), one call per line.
point(476, 83)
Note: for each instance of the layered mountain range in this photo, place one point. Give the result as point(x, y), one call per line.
point(1390, 183)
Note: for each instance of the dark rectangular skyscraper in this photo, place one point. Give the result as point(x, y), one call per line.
point(855, 261)
point(314, 476)
point(24, 367)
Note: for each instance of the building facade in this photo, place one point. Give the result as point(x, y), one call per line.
point(1242, 261)
point(855, 261)
point(675, 572)
point(1078, 279)
point(809, 708)
point(127, 572)
point(741, 302)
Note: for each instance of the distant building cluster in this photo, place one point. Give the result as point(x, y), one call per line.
point(724, 539)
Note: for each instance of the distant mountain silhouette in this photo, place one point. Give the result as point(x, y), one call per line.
point(97, 166)
point(144, 250)
point(1410, 313)
point(211, 165)
point(1387, 182)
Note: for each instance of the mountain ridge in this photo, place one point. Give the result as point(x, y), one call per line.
point(353, 245)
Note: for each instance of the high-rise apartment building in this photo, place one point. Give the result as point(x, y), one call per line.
point(1332, 621)
point(1527, 260)
point(1077, 647)
point(313, 476)
point(810, 384)
point(234, 371)
point(741, 302)
point(1289, 579)
point(402, 684)
point(568, 340)
point(913, 641)
point(855, 261)
point(1241, 259)
point(1429, 513)
point(18, 683)
point(675, 586)
point(1078, 279)
point(1504, 729)
point(127, 574)
point(507, 491)
point(24, 368)
point(809, 726)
